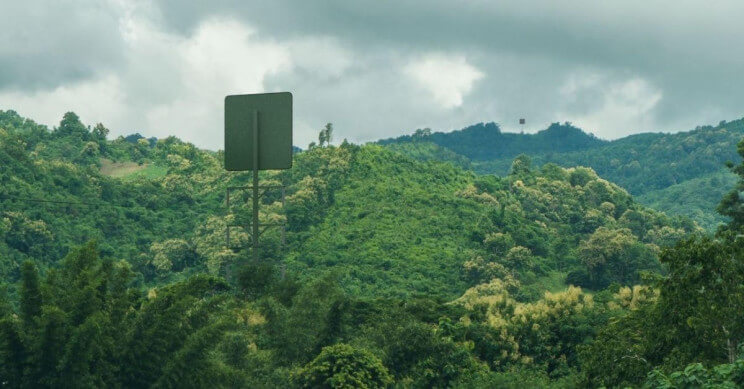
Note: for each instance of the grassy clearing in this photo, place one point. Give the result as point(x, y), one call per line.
point(553, 281)
point(149, 172)
point(130, 170)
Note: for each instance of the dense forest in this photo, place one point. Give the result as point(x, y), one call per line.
point(396, 269)
point(486, 141)
point(655, 167)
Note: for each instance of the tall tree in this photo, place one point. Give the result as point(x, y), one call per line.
point(31, 299)
point(72, 126)
point(702, 299)
point(325, 137)
point(328, 133)
point(732, 204)
point(342, 366)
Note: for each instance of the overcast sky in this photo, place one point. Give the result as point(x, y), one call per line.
point(375, 68)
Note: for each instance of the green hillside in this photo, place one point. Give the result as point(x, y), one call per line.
point(396, 271)
point(646, 162)
point(486, 142)
point(393, 225)
point(641, 163)
point(428, 151)
point(694, 198)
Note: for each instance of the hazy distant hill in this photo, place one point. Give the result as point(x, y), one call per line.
point(486, 142)
point(694, 198)
point(640, 163)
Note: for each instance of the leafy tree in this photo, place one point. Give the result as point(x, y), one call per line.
point(544, 333)
point(581, 176)
point(675, 173)
point(520, 257)
point(100, 132)
point(695, 375)
point(13, 352)
point(288, 329)
point(83, 326)
point(521, 165)
point(172, 255)
point(702, 299)
point(256, 278)
point(614, 255)
point(421, 355)
point(696, 318)
point(154, 318)
point(620, 354)
point(342, 366)
point(731, 204)
point(72, 126)
point(421, 134)
point(326, 135)
point(500, 243)
point(31, 299)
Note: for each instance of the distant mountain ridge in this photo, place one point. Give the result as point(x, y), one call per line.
point(641, 163)
point(485, 141)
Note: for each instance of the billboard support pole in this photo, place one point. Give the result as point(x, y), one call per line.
point(242, 132)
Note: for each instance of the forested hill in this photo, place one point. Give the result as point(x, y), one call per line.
point(485, 141)
point(391, 225)
point(115, 272)
point(641, 163)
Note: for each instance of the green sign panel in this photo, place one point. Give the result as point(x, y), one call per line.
point(258, 131)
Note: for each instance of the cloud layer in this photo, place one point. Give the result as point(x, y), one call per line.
point(375, 69)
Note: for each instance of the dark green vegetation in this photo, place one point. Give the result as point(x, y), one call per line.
point(656, 167)
point(486, 142)
point(694, 198)
point(395, 271)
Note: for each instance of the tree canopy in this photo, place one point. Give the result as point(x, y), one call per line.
point(394, 270)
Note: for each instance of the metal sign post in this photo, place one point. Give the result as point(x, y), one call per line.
point(258, 136)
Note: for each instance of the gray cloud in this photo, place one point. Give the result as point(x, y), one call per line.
point(160, 68)
point(685, 48)
point(45, 44)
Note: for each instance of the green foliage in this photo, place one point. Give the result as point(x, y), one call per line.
point(695, 198)
point(255, 278)
point(428, 151)
point(486, 141)
point(31, 299)
point(365, 211)
point(694, 322)
point(342, 366)
point(696, 318)
point(675, 173)
point(546, 333)
point(703, 296)
point(518, 378)
point(614, 256)
point(316, 303)
point(397, 269)
point(325, 137)
point(731, 204)
point(83, 204)
point(478, 221)
point(619, 355)
point(395, 237)
point(419, 355)
point(89, 328)
point(695, 375)
point(521, 165)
